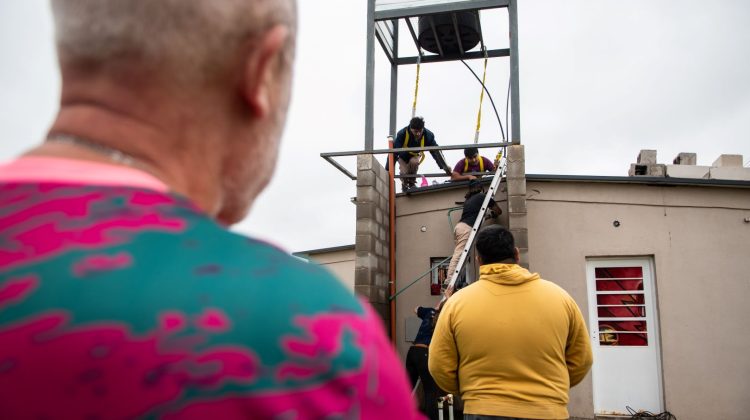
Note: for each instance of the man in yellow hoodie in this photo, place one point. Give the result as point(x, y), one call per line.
point(511, 344)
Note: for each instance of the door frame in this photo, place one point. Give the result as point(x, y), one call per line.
point(650, 300)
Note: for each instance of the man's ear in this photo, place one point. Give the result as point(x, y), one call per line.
point(517, 255)
point(479, 259)
point(261, 64)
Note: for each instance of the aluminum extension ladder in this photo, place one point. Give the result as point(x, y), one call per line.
point(477, 224)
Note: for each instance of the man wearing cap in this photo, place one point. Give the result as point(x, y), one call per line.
point(415, 135)
point(472, 162)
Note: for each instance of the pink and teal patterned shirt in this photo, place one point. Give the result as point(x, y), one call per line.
point(119, 299)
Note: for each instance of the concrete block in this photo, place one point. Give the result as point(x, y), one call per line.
point(383, 203)
point(382, 280)
point(367, 194)
point(366, 227)
point(516, 186)
point(730, 173)
point(377, 168)
point(365, 162)
point(373, 294)
point(380, 171)
point(379, 216)
point(516, 171)
point(647, 157)
point(366, 243)
point(516, 153)
point(517, 221)
point(687, 171)
point(365, 260)
point(364, 276)
point(636, 170)
point(382, 187)
point(685, 159)
point(658, 170)
point(366, 210)
point(366, 179)
point(734, 161)
point(517, 204)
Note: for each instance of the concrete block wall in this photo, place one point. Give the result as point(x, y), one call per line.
point(646, 165)
point(516, 187)
point(371, 265)
point(727, 167)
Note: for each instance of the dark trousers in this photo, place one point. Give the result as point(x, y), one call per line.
point(416, 366)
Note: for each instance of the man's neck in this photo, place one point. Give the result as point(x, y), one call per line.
point(150, 146)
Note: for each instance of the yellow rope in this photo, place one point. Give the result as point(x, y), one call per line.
point(481, 98)
point(416, 85)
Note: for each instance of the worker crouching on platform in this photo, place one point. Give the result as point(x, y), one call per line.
point(472, 162)
point(415, 135)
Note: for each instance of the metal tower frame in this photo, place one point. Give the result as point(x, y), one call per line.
point(383, 18)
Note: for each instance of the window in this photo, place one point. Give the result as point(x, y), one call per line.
point(438, 275)
point(621, 306)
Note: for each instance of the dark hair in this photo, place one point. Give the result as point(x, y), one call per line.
point(471, 151)
point(416, 123)
point(494, 244)
point(475, 187)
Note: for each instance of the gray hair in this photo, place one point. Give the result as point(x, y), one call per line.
point(194, 37)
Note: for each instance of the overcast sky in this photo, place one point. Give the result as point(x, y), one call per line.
point(600, 80)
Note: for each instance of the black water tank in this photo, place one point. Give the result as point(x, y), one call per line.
point(468, 29)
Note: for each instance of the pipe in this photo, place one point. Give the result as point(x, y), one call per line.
point(392, 239)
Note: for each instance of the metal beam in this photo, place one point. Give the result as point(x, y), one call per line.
point(414, 149)
point(329, 157)
point(504, 52)
point(515, 102)
point(370, 76)
point(458, 33)
point(338, 166)
point(398, 13)
point(481, 35)
point(413, 34)
point(437, 38)
point(394, 82)
point(382, 38)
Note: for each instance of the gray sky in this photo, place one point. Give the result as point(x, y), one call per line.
point(600, 80)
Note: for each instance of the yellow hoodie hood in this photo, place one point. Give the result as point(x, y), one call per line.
point(507, 274)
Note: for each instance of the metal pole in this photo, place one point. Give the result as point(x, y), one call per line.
point(515, 106)
point(394, 80)
point(370, 76)
point(392, 238)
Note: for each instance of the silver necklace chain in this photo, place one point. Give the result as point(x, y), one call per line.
point(110, 152)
